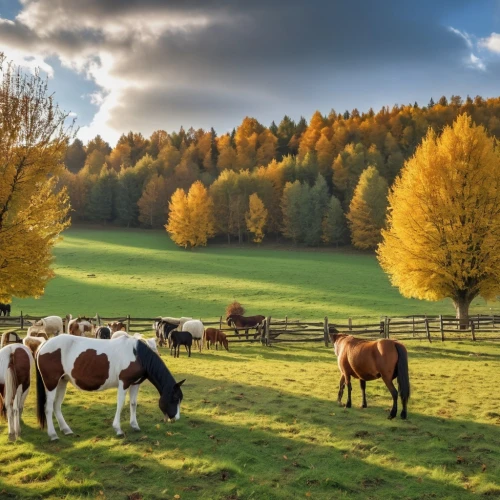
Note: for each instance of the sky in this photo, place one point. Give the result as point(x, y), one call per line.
point(143, 65)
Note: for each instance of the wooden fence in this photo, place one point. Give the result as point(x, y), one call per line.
point(275, 331)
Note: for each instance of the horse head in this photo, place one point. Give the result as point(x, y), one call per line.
point(170, 402)
point(229, 320)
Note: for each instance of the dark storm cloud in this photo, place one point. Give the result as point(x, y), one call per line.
point(186, 61)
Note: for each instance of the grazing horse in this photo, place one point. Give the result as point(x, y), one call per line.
point(178, 339)
point(117, 326)
point(79, 326)
point(163, 329)
point(151, 343)
point(96, 365)
point(33, 343)
point(369, 360)
point(15, 367)
point(103, 332)
point(245, 323)
point(214, 336)
point(4, 309)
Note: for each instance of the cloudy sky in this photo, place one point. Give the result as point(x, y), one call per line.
point(142, 65)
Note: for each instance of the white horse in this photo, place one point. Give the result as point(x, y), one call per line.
point(96, 365)
point(15, 368)
point(51, 325)
point(196, 329)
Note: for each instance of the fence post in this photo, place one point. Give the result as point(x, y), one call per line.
point(128, 323)
point(441, 327)
point(98, 319)
point(22, 321)
point(388, 326)
point(478, 327)
point(413, 325)
point(325, 332)
point(472, 330)
point(220, 323)
point(350, 324)
point(385, 327)
point(286, 322)
point(426, 323)
point(382, 328)
point(268, 328)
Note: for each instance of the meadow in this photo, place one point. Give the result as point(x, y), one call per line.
point(258, 422)
point(142, 273)
point(263, 423)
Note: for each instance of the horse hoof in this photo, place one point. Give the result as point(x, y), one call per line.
point(364, 406)
point(391, 416)
point(403, 415)
point(120, 434)
point(12, 437)
point(136, 428)
point(348, 405)
point(54, 438)
point(68, 432)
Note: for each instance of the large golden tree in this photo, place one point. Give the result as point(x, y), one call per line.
point(443, 230)
point(33, 212)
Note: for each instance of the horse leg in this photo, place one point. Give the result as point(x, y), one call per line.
point(394, 393)
point(134, 391)
point(349, 391)
point(60, 393)
point(9, 407)
point(119, 405)
point(49, 410)
point(341, 389)
point(189, 351)
point(23, 399)
point(362, 383)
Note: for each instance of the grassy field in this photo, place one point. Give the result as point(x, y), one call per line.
point(142, 273)
point(263, 423)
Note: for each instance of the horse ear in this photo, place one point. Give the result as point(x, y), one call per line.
point(180, 383)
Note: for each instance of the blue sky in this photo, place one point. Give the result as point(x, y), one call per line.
point(147, 64)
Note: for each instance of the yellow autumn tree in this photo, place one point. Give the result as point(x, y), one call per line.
point(33, 211)
point(256, 217)
point(443, 230)
point(367, 210)
point(201, 214)
point(179, 224)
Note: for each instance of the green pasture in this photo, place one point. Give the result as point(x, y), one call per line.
point(263, 423)
point(142, 273)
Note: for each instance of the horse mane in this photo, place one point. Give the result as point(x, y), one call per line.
point(156, 371)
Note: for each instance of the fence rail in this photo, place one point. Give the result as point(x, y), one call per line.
point(442, 327)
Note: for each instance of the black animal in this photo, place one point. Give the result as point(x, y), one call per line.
point(4, 309)
point(178, 339)
point(103, 332)
point(163, 329)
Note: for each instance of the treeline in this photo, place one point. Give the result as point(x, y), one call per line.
point(322, 182)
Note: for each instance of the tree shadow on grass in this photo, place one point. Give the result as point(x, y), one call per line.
point(235, 440)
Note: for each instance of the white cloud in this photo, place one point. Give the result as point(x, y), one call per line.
point(476, 62)
point(464, 35)
point(492, 43)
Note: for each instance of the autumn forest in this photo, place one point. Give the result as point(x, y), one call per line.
point(322, 182)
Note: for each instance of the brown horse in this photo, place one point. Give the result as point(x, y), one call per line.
point(369, 360)
point(214, 336)
point(245, 323)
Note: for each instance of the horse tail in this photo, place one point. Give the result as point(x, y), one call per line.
point(10, 387)
point(403, 375)
point(41, 397)
point(226, 344)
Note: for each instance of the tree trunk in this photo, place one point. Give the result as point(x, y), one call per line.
point(462, 311)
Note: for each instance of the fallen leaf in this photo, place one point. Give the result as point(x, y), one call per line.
point(285, 457)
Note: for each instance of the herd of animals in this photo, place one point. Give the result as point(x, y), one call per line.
point(104, 357)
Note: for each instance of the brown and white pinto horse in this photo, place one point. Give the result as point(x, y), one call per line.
point(80, 326)
point(371, 359)
point(15, 368)
point(96, 365)
point(245, 323)
point(117, 326)
point(103, 332)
